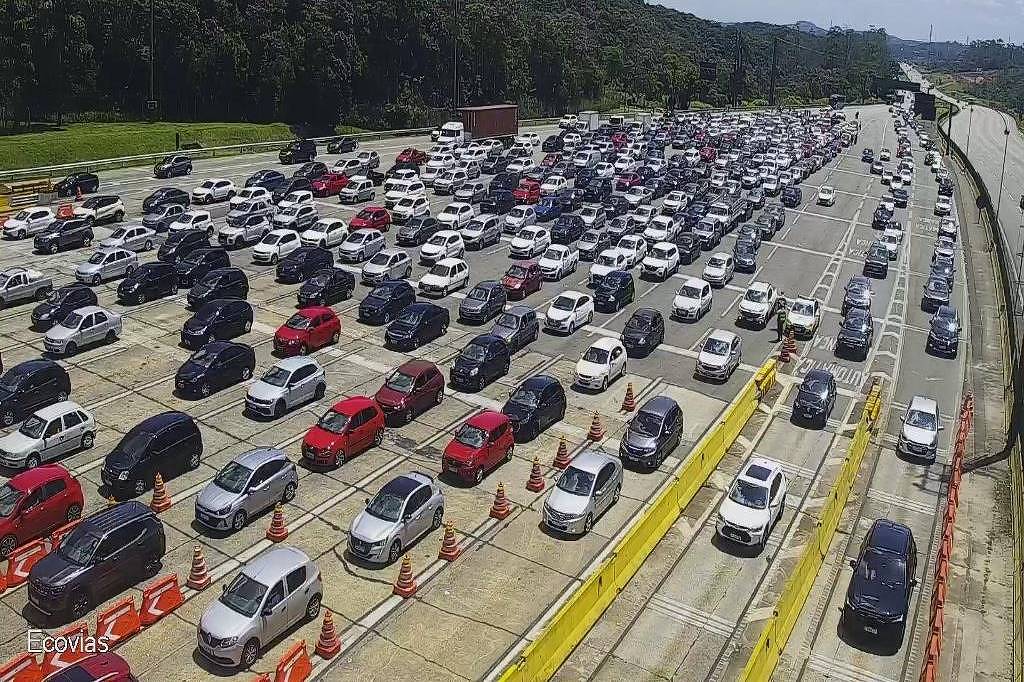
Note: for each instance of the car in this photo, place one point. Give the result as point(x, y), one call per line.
point(944, 331)
point(856, 333)
point(858, 293)
point(482, 231)
point(759, 303)
point(482, 443)
point(587, 488)
point(247, 485)
point(219, 319)
point(607, 262)
point(418, 324)
point(196, 264)
point(215, 366)
point(351, 426)
point(417, 230)
point(213, 190)
point(47, 434)
point(485, 358)
point(117, 546)
point(77, 183)
point(447, 275)
point(472, 192)
point(884, 577)
point(876, 260)
point(919, 435)
point(64, 234)
point(644, 331)
point(900, 197)
point(37, 502)
point(653, 433)
point(498, 202)
point(180, 244)
point(163, 443)
point(410, 390)
point(149, 281)
point(483, 302)
point(815, 397)
point(386, 264)
point(592, 243)
point(344, 145)
point(18, 284)
point(548, 208)
point(567, 229)
point(159, 219)
point(297, 218)
point(943, 205)
point(372, 218)
point(405, 509)
point(275, 245)
point(288, 383)
point(529, 242)
point(755, 503)
point(518, 218)
point(517, 327)
point(273, 592)
point(614, 291)
point(60, 303)
point(534, 405)
point(173, 166)
point(359, 188)
point(803, 317)
point(101, 209)
point(83, 327)
point(297, 151)
point(360, 245)
point(633, 247)
point(719, 355)
point(267, 179)
point(719, 269)
point(569, 311)
point(325, 233)
point(689, 246)
point(130, 237)
point(447, 182)
point(386, 301)
point(28, 222)
point(826, 195)
point(557, 261)
point(441, 245)
point(692, 300)
point(522, 279)
point(602, 363)
point(407, 208)
point(307, 330)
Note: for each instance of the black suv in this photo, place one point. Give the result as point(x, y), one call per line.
point(878, 598)
point(165, 196)
point(653, 433)
point(689, 247)
point(60, 302)
point(417, 230)
point(498, 202)
point(418, 324)
point(267, 178)
point(219, 283)
point(288, 186)
point(149, 281)
point(386, 301)
point(298, 151)
point(535, 405)
point(944, 331)
point(326, 287)
point(856, 333)
point(644, 331)
point(219, 319)
point(301, 263)
point(165, 442)
point(858, 294)
point(311, 170)
point(30, 385)
point(614, 291)
point(567, 229)
point(115, 547)
point(86, 183)
point(64, 234)
point(180, 244)
point(597, 191)
point(171, 166)
point(876, 261)
point(216, 365)
point(791, 197)
point(192, 267)
point(485, 358)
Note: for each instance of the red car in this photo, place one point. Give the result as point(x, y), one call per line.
point(411, 155)
point(411, 390)
point(522, 279)
point(708, 154)
point(483, 442)
point(373, 218)
point(307, 330)
point(627, 180)
point(550, 160)
point(108, 667)
point(34, 503)
point(619, 140)
point(348, 428)
point(528, 191)
point(329, 184)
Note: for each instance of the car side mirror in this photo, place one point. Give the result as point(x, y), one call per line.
point(853, 563)
point(224, 589)
point(913, 582)
point(267, 611)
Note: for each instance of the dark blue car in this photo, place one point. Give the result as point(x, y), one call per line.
point(548, 209)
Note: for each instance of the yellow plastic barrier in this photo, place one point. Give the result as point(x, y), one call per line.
point(570, 624)
point(770, 645)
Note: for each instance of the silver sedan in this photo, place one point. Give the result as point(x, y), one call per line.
point(83, 327)
point(584, 491)
point(248, 484)
point(131, 237)
point(406, 508)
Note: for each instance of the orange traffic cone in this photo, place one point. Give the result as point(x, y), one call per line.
point(263, 677)
point(536, 482)
point(3, 583)
point(161, 500)
point(596, 430)
point(328, 646)
point(198, 577)
point(562, 456)
point(629, 401)
point(788, 348)
point(405, 586)
point(277, 531)
point(110, 500)
point(501, 508)
point(450, 549)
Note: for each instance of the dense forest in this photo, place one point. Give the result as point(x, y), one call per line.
point(392, 63)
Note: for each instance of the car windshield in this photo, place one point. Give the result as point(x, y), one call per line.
point(716, 262)
point(689, 291)
point(749, 494)
point(207, 185)
point(271, 239)
point(596, 355)
point(244, 595)
point(639, 323)
point(506, 320)
point(400, 381)
point(203, 357)
point(802, 308)
point(276, 376)
point(386, 505)
point(321, 279)
point(9, 497)
point(334, 422)
point(564, 303)
point(72, 321)
point(233, 477)
point(526, 397)
point(33, 427)
point(97, 258)
point(517, 213)
point(298, 322)
point(853, 323)
point(553, 254)
point(716, 346)
point(591, 237)
point(884, 567)
point(474, 352)
point(661, 253)
point(118, 233)
point(407, 202)
point(646, 424)
point(576, 481)
point(473, 436)
point(78, 547)
point(381, 258)
point(756, 295)
point(517, 271)
point(921, 420)
point(440, 270)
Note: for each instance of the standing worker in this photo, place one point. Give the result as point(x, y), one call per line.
point(780, 318)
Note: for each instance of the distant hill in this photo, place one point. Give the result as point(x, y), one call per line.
point(810, 28)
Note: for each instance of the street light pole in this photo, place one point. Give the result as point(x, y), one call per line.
point(1002, 173)
point(455, 53)
point(970, 120)
point(152, 56)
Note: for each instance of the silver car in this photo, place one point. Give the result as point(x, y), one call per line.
point(360, 245)
point(584, 491)
point(83, 327)
point(273, 592)
point(50, 432)
point(407, 507)
point(130, 237)
point(107, 264)
point(251, 482)
point(387, 264)
point(290, 382)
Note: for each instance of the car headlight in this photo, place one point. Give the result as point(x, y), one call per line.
point(473, 372)
point(123, 476)
point(229, 642)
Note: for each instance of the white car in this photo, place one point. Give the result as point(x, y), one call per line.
point(275, 245)
point(558, 261)
point(523, 164)
point(447, 275)
point(567, 121)
point(101, 208)
point(637, 195)
point(692, 300)
point(553, 184)
point(661, 228)
point(456, 215)
point(349, 167)
point(410, 207)
point(887, 177)
point(719, 269)
point(450, 180)
point(441, 162)
point(593, 217)
point(826, 196)
point(634, 247)
point(192, 220)
point(889, 203)
point(325, 233)
point(601, 364)
point(943, 205)
point(755, 503)
point(569, 311)
point(297, 198)
point(533, 139)
point(661, 262)
point(604, 171)
point(759, 303)
point(643, 215)
point(896, 182)
point(891, 241)
point(250, 193)
point(29, 221)
point(674, 202)
point(360, 245)
point(719, 356)
point(214, 189)
point(442, 244)
point(624, 164)
point(529, 241)
point(396, 189)
point(919, 434)
point(804, 316)
point(607, 261)
point(519, 217)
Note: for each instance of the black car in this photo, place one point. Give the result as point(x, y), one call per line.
point(942, 268)
point(30, 385)
point(165, 442)
point(878, 597)
point(518, 326)
point(192, 267)
point(876, 261)
point(386, 301)
point(946, 188)
point(60, 303)
point(217, 320)
point(944, 331)
point(504, 180)
point(498, 202)
point(86, 183)
point(868, 155)
point(268, 179)
point(615, 205)
point(791, 197)
point(165, 196)
point(301, 263)
point(689, 247)
point(219, 283)
point(484, 359)
point(598, 190)
point(858, 294)
point(291, 185)
point(173, 166)
point(653, 433)
point(816, 397)
point(326, 287)
point(495, 166)
point(64, 234)
point(744, 255)
point(418, 324)
point(856, 334)
point(584, 178)
point(900, 197)
point(311, 170)
point(483, 302)
point(571, 199)
point(644, 331)
point(567, 229)
point(147, 282)
point(298, 151)
point(417, 230)
point(937, 292)
point(342, 145)
point(180, 244)
point(534, 405)
point(116, 547)
point(614, 291)
point(215, 366)
point(552, 143)
point(880, 218)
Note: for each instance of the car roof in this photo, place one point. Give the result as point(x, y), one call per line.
point(817, 374)
point(606, 343)
point(521, 311)
point(30, 366)
point(759, 469)
point(403, 484)
point(416, 367)
point(889, 536)
point(538, 381)
point(591, 461)
point(759, 286)
point(274, 564)
point(58, 409)
point(574, 295)
point(450, 261)
point(646, 313)
point(487, 419)
point(314, 310)
point(922, 404)
point(30, 478)
point(89, 309)
point(257, 456)
point(293, 363)
point(353, 404)
point(115, 516)
point(660, 405)
point(722, 335)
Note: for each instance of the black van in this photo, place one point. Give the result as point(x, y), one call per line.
point(298, 265)
point(213, 367)
point(112, 549)
point(150, 281)
point(218, 319)
point(326, 287)
point(219, 283)
point(167, 442)
point(192, 267)
point(180, 244)
point(60, 302)
point(30, 385)
point(481, 361)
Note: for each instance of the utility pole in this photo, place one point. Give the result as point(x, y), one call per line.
point(455, 54)
point(771, 78)
point(152, 54)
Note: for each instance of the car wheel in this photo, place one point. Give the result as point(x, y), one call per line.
point(320, 391)
point(478, 475)
point(87, 440)
point(7, 418)
point(96, 279)
point(395, 551)
point(139, 487)
point(509, 453)
point(80, 604)
point(71, 348)
point(378, 438)
point(438, 518)
point(289, 493)
point(238, 520)
point(604, 383)
point(87, 241)
point(8, 544)
point(250, 652)
point(205, 390)
point(111, 336)
point(247, 327)
point(33, 461)
point(439, 398)
point(141, 298)
point(588, 523)
point(193, 461)
point(53, 248)
point(616, 494)
point(335, 337)
point(313, 608)
point(304, 350)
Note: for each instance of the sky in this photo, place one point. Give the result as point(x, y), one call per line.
point(952, 19)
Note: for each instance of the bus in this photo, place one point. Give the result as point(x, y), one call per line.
point(837, 101)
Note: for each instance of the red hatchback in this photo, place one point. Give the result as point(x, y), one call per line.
point(627, 180)
point(483, 442)
point(412, 389)
point(619, 140)
point(349, 427)
point(108, 667)
point(329, 184)
point(34, 503)
point(550, 160)
point(522, 279)
point(411, 155)
point(528, 191)
point(307, 330)
point(371, 218)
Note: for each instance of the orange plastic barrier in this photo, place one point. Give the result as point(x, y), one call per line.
point(55, 661)
point(119, 622)
point(65, 211)
point(58, 535)
point(159, 598)
point(295, 665)
point(21, 668)
point(21, 561)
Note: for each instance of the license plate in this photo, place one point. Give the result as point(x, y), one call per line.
point(204, 517)
point(872, 630)
point(735, 535)
point(559, 526)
